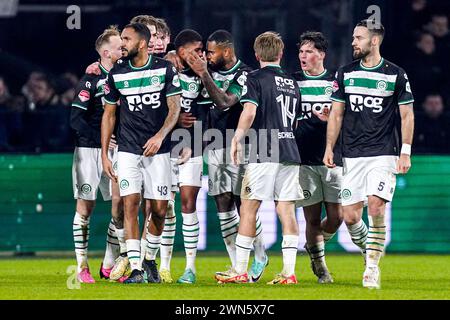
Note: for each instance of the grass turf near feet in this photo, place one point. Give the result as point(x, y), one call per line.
point(402, 277)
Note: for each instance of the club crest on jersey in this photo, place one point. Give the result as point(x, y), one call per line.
point(155, 80)
point(328, 91)
point(381, 85)
point(193, 87)
point(84, 95)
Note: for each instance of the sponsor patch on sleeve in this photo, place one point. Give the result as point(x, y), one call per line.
point(84, 95)
point(335, 86)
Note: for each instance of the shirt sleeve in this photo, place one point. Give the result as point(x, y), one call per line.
point(251, 91)
point(338, 87)
point(84, 92)
point(112, 94)
point(173, 86)
point(237, 83)
point(403, 89)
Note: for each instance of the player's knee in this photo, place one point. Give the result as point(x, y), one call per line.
point(188, 207)
point(376, 207)
point(351, 219)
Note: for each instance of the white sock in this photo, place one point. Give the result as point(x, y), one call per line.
point(243, 247)
point(289, 247)
point(153, 244)
point(112, 246)
point(80, 229)
point(229, 225)
point(143, 247)
point(358, 233)
point(168, 236)
point(134, 253)
point(121, 238)
point(260, 250)
point(191, 230)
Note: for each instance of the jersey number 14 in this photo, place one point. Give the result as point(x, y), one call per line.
point(287, 109)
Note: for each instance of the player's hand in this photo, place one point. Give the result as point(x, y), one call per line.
point(328, 158)
point(94, 68)
point(198, 64)
point(108, 169)
point(112, 142)
point(236, 152)
point(404, 163)
point(174, 59)
point(186, 120)
point(152, 145)
point(323, 116)
point(185, 155)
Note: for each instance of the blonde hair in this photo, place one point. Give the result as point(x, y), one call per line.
point(268, 46)
point(109, 32)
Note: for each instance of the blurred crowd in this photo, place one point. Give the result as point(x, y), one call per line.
point(36, 118)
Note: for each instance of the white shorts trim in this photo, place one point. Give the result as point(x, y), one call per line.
point(88, 176)
point(320, 184)
point(271, 181)
point(224, 177)
point(150, 174)
point(366, 176)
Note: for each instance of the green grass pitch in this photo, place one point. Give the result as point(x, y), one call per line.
point(403, 277)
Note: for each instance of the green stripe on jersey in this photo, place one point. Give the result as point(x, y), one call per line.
point(370, 84)
point(155, 80)
point(316, 91)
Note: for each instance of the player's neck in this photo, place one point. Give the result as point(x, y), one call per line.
point(315, 71)
point(273, 63)
point(140, 61)
point(230, 64)
point(106, 64)
point(371, 60)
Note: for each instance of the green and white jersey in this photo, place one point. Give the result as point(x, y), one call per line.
point(231, 81)
point(371, 122)
point(142, 93)
point(191, 86)
point(311, 132)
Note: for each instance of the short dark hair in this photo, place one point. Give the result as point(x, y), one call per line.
point(222, 38)
point(186, 36)
point(373, 26)
point(315, 37)
point(141, 29)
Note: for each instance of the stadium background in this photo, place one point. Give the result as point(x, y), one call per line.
point(36, 203)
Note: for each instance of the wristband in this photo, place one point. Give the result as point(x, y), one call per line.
point(406, 149)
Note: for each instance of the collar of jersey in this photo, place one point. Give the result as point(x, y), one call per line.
point(102, 68)
point(238, 63)
point(144, 66)
point(372, 68)
point(273, 66)
point(308, 76)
